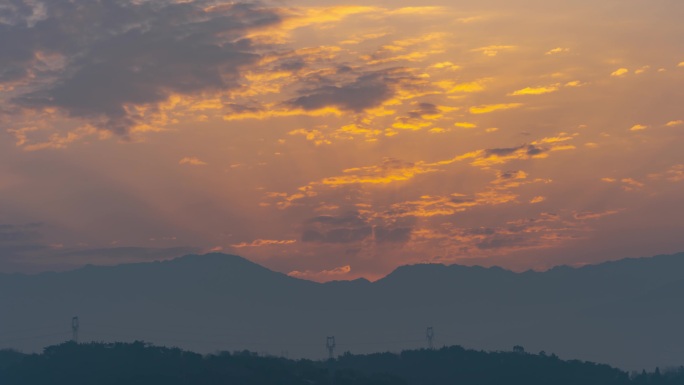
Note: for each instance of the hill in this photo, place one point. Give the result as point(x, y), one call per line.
point(140, 363)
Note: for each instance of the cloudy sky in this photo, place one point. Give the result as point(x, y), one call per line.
point(334, 140)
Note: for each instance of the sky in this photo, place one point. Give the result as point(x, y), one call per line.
point(337, 140)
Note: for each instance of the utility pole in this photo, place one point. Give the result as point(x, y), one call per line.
point(430, 335)
point(330, 344)
point(74, 329)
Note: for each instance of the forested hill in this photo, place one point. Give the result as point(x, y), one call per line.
point(143, 364)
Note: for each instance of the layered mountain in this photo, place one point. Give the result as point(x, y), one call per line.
point(626, 313)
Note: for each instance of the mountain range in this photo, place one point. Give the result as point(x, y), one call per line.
point(626, 313)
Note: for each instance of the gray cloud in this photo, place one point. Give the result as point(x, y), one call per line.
point(502, 241)
point(365, 91)
point(17, 239)
point(339, 235)
point(100, 56)
point(530, 149)
point(351, 219)
point(423, 109)
point(392, 235)
point(24, 249)
point(351, 228)
point(345, 228)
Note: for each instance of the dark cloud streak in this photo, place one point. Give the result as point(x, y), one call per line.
point(121, 53)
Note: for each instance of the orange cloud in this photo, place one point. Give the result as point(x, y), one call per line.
point(673, 174)
point(324, 275)
point(192, 161)
point(584, 215)
point(264, 242)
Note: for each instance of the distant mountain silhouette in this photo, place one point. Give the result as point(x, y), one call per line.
point(626, 313)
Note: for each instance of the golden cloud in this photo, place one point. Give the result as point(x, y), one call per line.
point(451, 87)
point(390, 171)
point(315, 136)
point(465, 125)
point(487, 108)
point(535, 90)
point(619, 72)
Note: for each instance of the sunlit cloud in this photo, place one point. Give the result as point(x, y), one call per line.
point(631, 184)
point(619, 72)
point(673, 174)
point(557, 50)
point(575, 83)
point(264, 242)
point(296, 18)
point(313, 135)
point(192, 161)
point(493, 50)
point(323, 275)
point(487, 108)
point(589, 215)
point(446, 65)
point(451, 87)
point(537, 199)
point(390, 171)
point(338, 131)
point(641, 70)
point(465, 125)
point(535, 90)
point(413, 11)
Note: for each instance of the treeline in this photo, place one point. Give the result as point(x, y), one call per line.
point(139, 363)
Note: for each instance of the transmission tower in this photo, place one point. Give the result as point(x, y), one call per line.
point(74, 329)
point(330, 344)
point(430, 335)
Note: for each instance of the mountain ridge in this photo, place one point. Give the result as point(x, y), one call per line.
point(236, 259)
point(623, 313)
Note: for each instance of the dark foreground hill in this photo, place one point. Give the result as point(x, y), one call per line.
point(627, 313)
point(140, 363)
